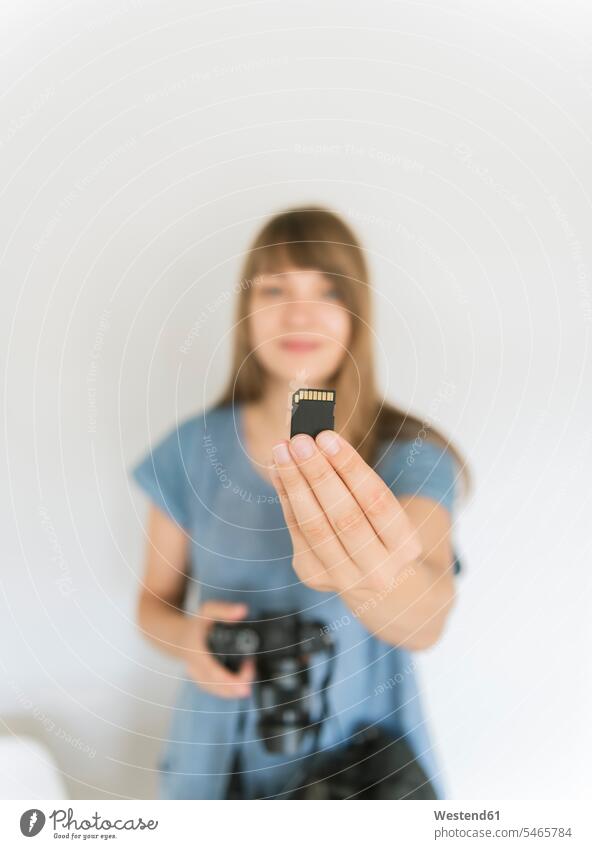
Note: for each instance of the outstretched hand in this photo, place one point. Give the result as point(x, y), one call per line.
point(349, 532)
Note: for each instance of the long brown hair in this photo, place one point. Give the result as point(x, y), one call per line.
point(316, 237)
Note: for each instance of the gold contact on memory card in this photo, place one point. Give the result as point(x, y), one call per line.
point(313, 395)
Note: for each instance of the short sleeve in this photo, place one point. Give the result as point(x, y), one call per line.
point(420, 467)
point(164, 473)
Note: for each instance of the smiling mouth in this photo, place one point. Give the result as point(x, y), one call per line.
point(299, 345)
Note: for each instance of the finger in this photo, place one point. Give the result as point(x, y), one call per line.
point(291, 521)
point(346, 516)
point(222, 611)
point(320, 536)
point(215, 677)
point(374, 496)
point(223, 682)
point(311, 570)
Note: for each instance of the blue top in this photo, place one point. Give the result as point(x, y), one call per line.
point(241, 550)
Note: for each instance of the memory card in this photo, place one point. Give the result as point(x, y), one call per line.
point(313, 410)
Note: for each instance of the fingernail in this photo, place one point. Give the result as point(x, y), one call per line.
point(281, 454)
point(302, 446)
point(328, 441)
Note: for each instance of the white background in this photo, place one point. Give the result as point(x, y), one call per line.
point(141, 145)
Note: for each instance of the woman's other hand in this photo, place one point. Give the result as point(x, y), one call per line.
point(201, 665)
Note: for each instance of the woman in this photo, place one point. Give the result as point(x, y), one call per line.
point(351, 529)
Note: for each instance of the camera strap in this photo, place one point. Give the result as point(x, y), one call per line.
point(235, 789)
point(324, 693)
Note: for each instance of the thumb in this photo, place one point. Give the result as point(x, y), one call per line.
point(223, 611)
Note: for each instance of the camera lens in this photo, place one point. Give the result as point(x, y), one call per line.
point(247, 641)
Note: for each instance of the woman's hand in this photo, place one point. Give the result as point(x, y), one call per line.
point(202, 666)
point(349, 532)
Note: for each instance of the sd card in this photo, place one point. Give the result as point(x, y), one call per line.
point(313, 410)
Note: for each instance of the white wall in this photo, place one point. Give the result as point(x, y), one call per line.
point(141, 144)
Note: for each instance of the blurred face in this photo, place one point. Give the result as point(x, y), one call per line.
point(299, 326)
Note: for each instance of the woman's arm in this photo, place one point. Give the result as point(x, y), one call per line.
point(164, 622)
point(389, 559)
point(162, 592)
point(413, 612)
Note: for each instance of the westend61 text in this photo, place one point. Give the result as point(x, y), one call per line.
point(467, 815)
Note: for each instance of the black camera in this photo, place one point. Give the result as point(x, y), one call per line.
point(280, 645)
point(374, 765)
